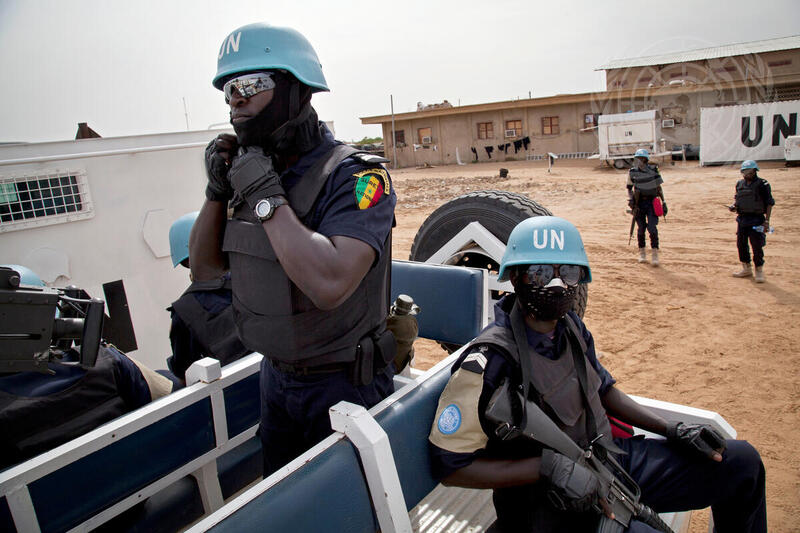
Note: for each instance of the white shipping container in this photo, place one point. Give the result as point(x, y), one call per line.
point(792, 148)
point(751, 131)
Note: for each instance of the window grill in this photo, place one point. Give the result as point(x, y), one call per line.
point(38, 200)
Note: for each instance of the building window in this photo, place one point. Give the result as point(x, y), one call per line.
point(590, 120)
point(550, 126)
point(513, 128)
point(782, 63)
point(400, 138)
point(485, 130)
point(30, 201)
point(425, 135)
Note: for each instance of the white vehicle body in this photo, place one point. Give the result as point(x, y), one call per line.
point(620, 135)
point(131, 190)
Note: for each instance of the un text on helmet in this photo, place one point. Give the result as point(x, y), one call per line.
point(230, 43)
point(556, 239)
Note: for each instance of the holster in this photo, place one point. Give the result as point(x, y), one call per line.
point(373, 353)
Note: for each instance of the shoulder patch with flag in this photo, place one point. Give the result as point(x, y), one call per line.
point(370, 186)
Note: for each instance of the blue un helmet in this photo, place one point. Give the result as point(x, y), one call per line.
point(260, 46)
point(544, 241)
point(26, 275)
point(179, 237)
point(749, 164)
point(641, 152)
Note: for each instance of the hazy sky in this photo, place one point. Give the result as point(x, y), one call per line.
point(125, 67)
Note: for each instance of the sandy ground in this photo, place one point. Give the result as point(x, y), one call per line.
point(687, 331)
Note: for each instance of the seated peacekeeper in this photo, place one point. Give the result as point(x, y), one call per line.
point(202, 318)
point(538, 356)
point(39, 411)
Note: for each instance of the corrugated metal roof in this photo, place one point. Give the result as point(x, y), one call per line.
point(737, 49)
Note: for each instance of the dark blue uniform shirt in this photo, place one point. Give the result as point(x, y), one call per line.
point(336, 210)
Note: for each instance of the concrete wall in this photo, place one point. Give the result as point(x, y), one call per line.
point(752, 78)
point(460, 132)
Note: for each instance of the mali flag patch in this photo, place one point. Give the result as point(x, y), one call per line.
point(370, 186)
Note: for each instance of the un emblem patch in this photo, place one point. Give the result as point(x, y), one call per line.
point(449, 420)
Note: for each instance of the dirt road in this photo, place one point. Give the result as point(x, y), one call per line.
point(687, 331)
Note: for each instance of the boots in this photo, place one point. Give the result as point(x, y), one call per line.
point(745, 272)
point(760, 274)
point(655, 257)
point(642, 255)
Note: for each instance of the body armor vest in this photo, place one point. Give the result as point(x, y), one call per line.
point(272, 315)
point(748, 200)
point(216, 332)
point(646, 181)
point(555, 383)
point(33, 425)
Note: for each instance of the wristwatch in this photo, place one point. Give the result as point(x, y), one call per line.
point(266, 208)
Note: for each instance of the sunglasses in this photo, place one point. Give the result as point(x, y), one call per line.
point(541, 275)
point(248, 85)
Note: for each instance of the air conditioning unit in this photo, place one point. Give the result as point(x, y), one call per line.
point(426, 140)
point(510, 133)
point(668, 123)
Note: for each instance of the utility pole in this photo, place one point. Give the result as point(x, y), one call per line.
point(394, 137)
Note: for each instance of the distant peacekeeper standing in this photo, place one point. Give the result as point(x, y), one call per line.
point(202, 318)
point(753, 204)
point(309, 241)
point(644, 186)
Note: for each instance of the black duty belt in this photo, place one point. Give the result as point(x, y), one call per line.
point(309, 370)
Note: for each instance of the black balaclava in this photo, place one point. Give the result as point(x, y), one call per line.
point(550, 302)
point(287, 125)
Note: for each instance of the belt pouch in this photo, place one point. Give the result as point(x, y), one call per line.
point(363, 366)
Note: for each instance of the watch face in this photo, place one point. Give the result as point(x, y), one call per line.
point(263, 208)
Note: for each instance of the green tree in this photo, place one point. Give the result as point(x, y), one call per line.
point(369, 140)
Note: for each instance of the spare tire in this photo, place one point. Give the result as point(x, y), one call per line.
point(497, 211)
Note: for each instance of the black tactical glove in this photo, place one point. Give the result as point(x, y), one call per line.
point(700, 438)
point(577, 487)
point(218, 155)
point(253, 177)
point(664, 207)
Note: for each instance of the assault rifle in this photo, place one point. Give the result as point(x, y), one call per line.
point(623, 492)
point(633, 225)
point(633, 211)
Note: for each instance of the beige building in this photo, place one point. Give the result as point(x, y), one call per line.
point(675, 85)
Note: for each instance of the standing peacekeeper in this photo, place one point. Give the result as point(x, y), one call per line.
point(537, 353)
point(202, 318)
point(309, 241)
point(644, 186)
point(753, 204)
